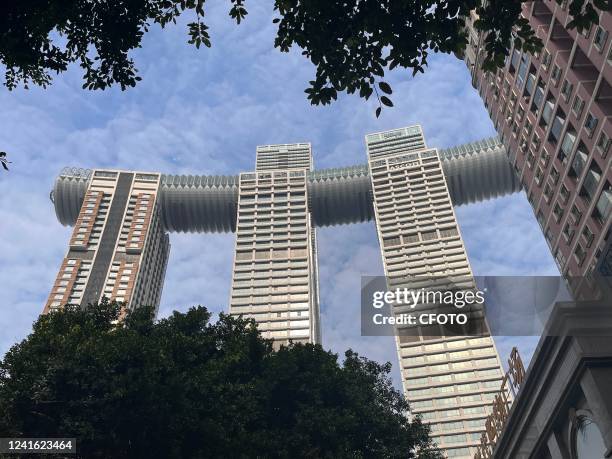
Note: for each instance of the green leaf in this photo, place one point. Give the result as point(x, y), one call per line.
point(385, 87)
point(386, 101)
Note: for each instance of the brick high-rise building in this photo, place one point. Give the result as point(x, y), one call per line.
point(118, 247)
point(553, 113)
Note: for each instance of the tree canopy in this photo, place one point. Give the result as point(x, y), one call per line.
point(352, 43)
point(186, 387)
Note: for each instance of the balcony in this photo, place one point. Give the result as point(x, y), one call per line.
point(531, 82)
point(522, 71)
point(580, 161)
point(591, 182)
point(584, 69)
point(547, 112)
point(604, 205)
point(604, 97)
point(538, 98)
point(541, 15)
point(560, 40)
point(557, 127)
point(567, 145)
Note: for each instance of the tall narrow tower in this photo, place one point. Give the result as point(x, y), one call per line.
point(118, 247)
point(449, 380)
point(275, 265)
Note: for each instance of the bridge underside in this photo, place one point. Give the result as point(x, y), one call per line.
point(207, 204)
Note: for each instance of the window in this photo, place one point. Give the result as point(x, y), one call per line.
point(417, 381)
point(546, 60)
point(456, 452)
point(590, 124)
point(538, 176)
point(530, 159)
point(588, 236)
point(456, 425)
point(474, 410)
point(566, 90)
point(548, 193)
point(528, 128)
point(460, 438)
point(568, 233)
point(567, 145)
point(576, 214)
point(586, 441)
point(522, 71)
point(599, 40)
point(603, 144)
point(579, 254)
point(580, 161)
point(578, 106)
point(536, 142)
point(564, 194)
point(545, 157)
point(446, 401)
point(603, 208)
point(554, 175)
point(556, 74)
point(558, 212)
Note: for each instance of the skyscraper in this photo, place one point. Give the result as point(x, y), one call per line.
point(407, 188)
point(449, 380)
point(118, 247)
point(274, 278)
point(553, 113)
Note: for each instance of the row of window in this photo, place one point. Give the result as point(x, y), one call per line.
point(422, 359)
point(445, 367)
point(449, 378)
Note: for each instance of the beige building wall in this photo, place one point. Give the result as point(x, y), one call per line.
point(274, 277)
point(449, 381)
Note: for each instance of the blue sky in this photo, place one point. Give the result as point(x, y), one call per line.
point(204, 112)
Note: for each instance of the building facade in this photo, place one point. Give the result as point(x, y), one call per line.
point(119, 248)
point(564, 407)
point(553, 112)
point(449, 380)
point(274, 278)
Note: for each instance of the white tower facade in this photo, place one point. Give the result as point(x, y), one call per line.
point(449, 380)
point(275, 275)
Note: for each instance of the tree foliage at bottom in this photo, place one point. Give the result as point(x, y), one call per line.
point(187, 387)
